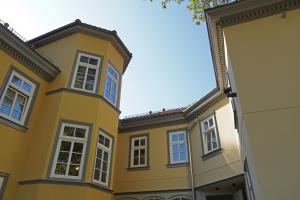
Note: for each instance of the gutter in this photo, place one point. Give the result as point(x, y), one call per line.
point(191, 158)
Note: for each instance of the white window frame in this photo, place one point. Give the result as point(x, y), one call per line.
point(172, 161)
point(205, 131)
point(96, 67)
point(19, 91)
point(107, 150)
point(132, 148)
point(114, 80)
point(72, 140)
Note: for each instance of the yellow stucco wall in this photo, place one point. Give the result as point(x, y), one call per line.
point(158, 176)
point(26, 156)
point(264, 54)
point(225, 163)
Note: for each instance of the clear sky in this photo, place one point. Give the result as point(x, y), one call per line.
point(171, 65)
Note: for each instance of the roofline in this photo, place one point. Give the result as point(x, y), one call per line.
point(18, 49)
point(184, 116)
point(78, 26)
point(235, 13)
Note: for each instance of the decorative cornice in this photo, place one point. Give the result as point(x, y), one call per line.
point(24, 60)
point(236, 13)
point(23, 53)
point(259, 12)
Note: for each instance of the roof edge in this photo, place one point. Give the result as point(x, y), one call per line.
point(78, 26)
point(179, 117)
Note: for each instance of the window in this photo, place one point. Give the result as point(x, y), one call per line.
point(86, 72)
point(248, 181)
point(111, 85)
point(178, 147)
point(103, 159)
point(209, 134)
point(3, 181)
point(139, 151)
point(16, 98)
point(70, 151)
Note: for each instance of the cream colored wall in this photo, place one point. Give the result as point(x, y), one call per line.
point(265, 60)
point(225, 163)
point(158, 176)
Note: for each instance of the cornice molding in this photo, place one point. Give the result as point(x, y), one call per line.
point(20, 51)
point(236, 13)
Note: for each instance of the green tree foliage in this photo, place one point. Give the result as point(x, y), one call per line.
point(197, 7)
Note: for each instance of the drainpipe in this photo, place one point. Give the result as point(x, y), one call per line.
point(190, 159)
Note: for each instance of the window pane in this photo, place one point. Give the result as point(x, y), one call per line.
point(74, 170)
point(65, 146)
point(97, 174)
point(182, 156)
point(77, 148)
point(142, 152)
point(101, 139)
point(16, 115)
point(84, 59)
point(182, 137)
point(78, 84)
point(209, 146)
point(107, 143)
point(103, 177)
point(136, 143)
point(60, 169)
point(5, 109)
point(8, 101)
point(175, 156)
point(81, 73)
point(80, 132)
point(182, 147)
point(175, 148)
point(136, 153)
point(98, 164)
point(105, 156)
point(10, 93)
point(112, 72)
point(63, 157)
point(174, 138)
point(99, 153)
point(205, 125)
point(76, 158)
point(107, 87)
point(16, 81)
point(104, 166)
point(69, 131)
point(93, 61)
point(211, 122)
point(143, 141)
point(26, 87)
point(136, 161)
point(91, 72)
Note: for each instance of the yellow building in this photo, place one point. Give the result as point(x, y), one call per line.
point(61, 136)
point(256, 42)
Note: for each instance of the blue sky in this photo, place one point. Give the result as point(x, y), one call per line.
point(171, 65)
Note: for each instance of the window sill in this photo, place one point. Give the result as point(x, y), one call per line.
point(185, 164)
point(12, 124)
point(212, 153)
point(138, 168)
